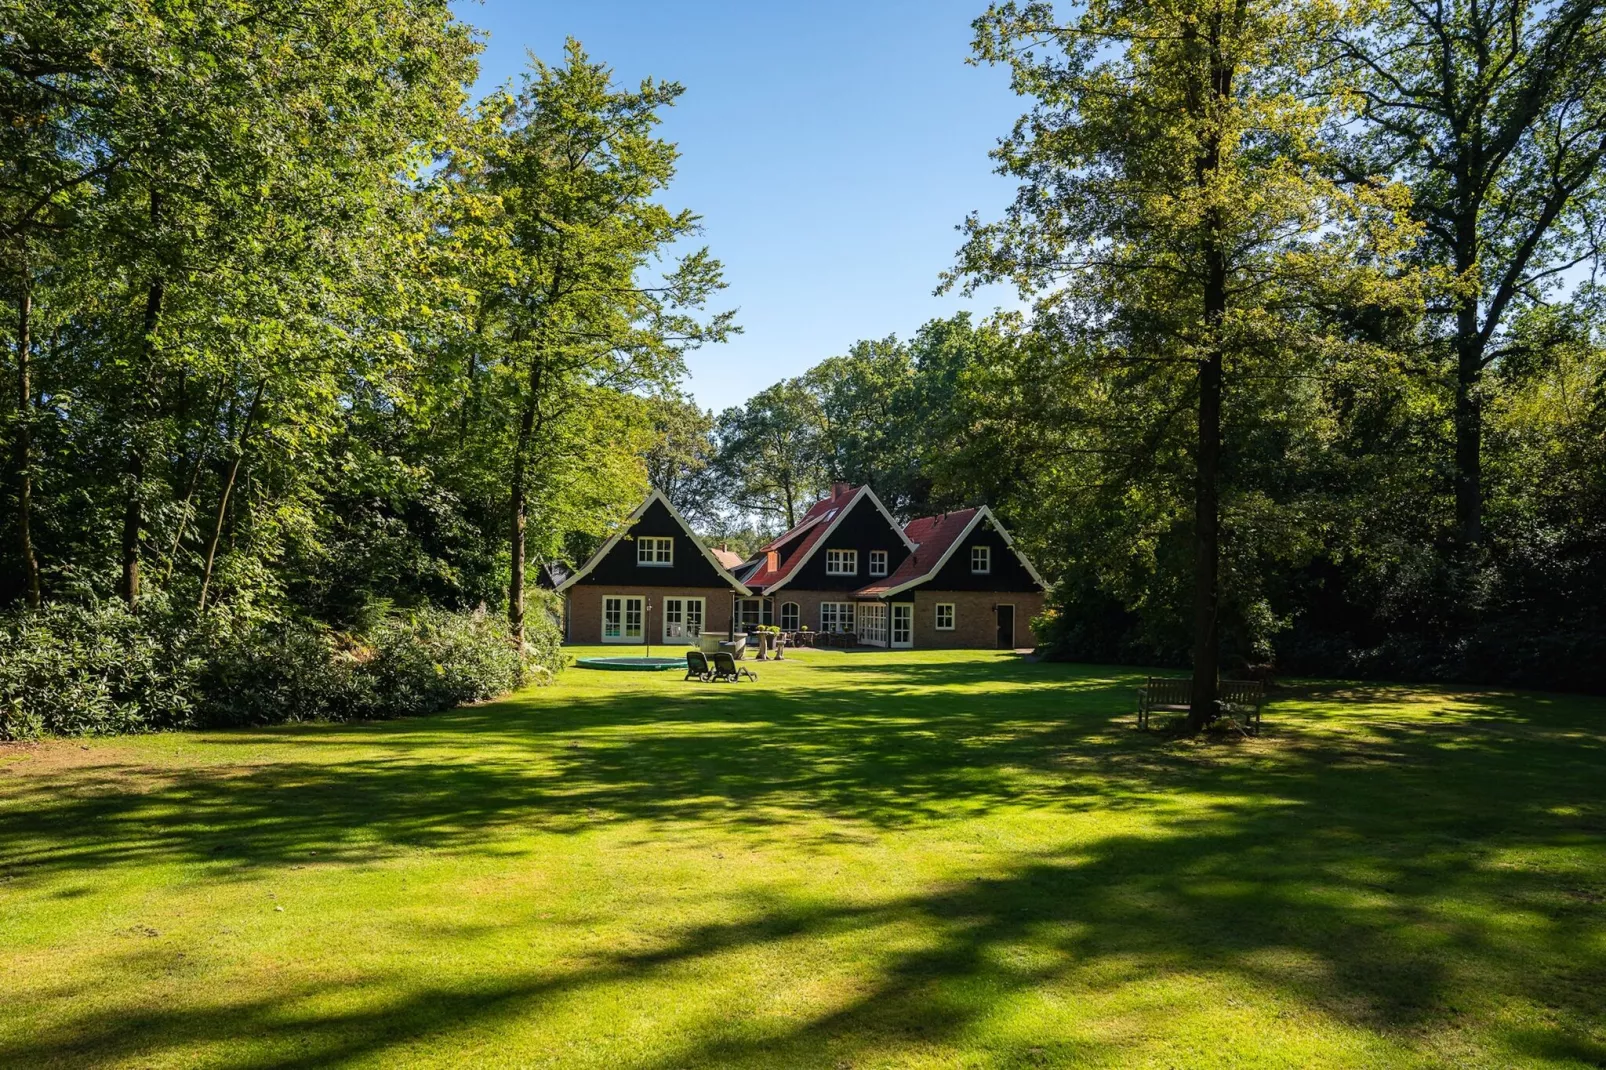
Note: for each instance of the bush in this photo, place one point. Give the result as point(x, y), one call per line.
point(96, 669)
point(100, 669)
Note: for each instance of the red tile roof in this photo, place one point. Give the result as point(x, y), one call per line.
point(814, 524)
point(728, 558)
point(932, 536)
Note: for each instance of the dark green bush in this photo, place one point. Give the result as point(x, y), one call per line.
point(96, 669)
point(100, 669)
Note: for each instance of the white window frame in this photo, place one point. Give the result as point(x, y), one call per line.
point(762, 612)
point(625, 608)
point(878, 562)
point(796, 614)
point(938, 615)
point(685, 615)
point(841, 615)
point(981, 560)
point(655, 551)
point(872, 623)
point(906, 610)
point(841, 562)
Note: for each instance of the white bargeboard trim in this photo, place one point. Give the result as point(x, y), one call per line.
point(982, 513)
point(630, 522)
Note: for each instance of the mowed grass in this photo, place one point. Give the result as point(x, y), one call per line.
point(865, 859)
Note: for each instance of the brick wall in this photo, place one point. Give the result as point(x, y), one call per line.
point(584, 608)
point(975, 622)
point(808, 604)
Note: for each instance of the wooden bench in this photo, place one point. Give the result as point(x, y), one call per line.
point(1171, 695)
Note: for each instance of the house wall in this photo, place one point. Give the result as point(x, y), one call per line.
point(1007, 574)
point(690, 568)
point(975, 623)
point(583, 609)
point(809, 604)
point(862, 529)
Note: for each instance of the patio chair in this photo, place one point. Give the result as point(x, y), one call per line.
point(726, 669)
point(697, 666)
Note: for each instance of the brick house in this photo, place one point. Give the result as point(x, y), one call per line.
point(949, 581)
point(653, 581)
point(955, 580)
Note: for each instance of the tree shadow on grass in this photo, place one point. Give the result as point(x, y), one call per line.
point(1408, 877)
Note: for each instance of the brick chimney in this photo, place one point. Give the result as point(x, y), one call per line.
point(839, 490)
point(772, 560)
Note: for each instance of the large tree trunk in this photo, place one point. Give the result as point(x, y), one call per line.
point(1207, 460)
point(1468, 402)
point(24, 448)
point(133, 509)
point(515, 584)
point(1207, 520)
point(223, 497)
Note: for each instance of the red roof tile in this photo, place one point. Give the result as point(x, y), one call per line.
point(728, 558)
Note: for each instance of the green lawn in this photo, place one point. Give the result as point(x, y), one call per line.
point(906, 859)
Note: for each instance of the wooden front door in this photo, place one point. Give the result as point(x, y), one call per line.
point(1006, 627)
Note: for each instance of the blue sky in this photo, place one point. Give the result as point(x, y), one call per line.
point(831, 148)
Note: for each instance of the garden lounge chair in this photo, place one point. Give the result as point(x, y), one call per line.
point(726, 669)
point(697, 666)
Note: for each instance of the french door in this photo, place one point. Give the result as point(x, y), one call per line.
point(903, 625)
point(623, 619)
point(873, 623)
point(683, 619)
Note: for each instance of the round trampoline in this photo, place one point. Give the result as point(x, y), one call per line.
point(632, 664)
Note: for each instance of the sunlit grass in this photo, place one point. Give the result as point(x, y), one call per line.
point(887, 859)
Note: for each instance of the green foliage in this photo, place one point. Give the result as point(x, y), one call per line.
point(71, 670)
point(95, 669)
point(294, 332)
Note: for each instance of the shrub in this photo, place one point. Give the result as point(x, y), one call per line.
point(100, 669)
point(79, 670)
point(430, 660)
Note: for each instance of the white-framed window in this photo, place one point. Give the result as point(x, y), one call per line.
point(623, 618)
point(841, 562)
point(981, 560)
point(752, 612)
point(945, 616)
point(878, 562)
point(683, 619)
point(836, 616)
point(655, 552)
point(873, 623)
point(791, 617)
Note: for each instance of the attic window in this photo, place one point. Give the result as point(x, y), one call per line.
point(981, 560)
point(878, 562)
point(841, 562)
point(655, 552)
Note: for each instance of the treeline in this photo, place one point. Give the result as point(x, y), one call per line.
point(1313, 374)
point(305, 348)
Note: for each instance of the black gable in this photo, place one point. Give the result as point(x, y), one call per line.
point(864, 528)
point(1008, 574)
point(690, 568)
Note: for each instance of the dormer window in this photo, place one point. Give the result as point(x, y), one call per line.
point(841, 562)
point(981, 560)
point(878, 562)
point(655, 552)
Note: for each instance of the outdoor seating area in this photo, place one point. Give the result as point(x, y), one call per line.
point(723, 669)
point(1234, 698)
